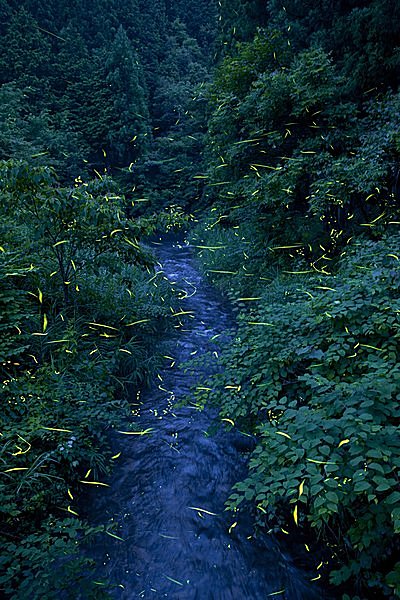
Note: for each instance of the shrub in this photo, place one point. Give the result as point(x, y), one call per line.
point(314, 373)
point(81, 318)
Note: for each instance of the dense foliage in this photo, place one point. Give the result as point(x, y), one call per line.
point(80, 317)
point(87, 89)
point(313, 372)
point(289, 153)
point(302, 235)
point(115, 85)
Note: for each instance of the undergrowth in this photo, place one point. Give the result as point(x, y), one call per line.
point(81, 316)
point(313, 372)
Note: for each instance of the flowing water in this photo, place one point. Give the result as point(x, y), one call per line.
point(168, 490)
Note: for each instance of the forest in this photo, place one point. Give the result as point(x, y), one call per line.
point(269, 132)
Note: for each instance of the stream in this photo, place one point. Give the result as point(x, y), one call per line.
point(169, 486)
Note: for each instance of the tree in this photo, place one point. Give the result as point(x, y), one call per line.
point(25, 55)
point(362, 36)
point(128, 117)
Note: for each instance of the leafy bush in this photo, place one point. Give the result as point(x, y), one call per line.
point(51, 555)
point(81, 316)
point(293, 153)
point(314, 373)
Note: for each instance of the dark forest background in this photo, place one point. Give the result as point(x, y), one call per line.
point(269, 130)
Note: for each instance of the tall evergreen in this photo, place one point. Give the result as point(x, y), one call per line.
point(25, 54)
point(128, 118)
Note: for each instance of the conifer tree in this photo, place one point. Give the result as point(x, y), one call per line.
point(25, 55)
point(128, 118)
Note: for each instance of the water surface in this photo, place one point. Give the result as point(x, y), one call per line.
point(168, 490)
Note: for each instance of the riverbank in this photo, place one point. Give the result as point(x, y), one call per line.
point(166, 500)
